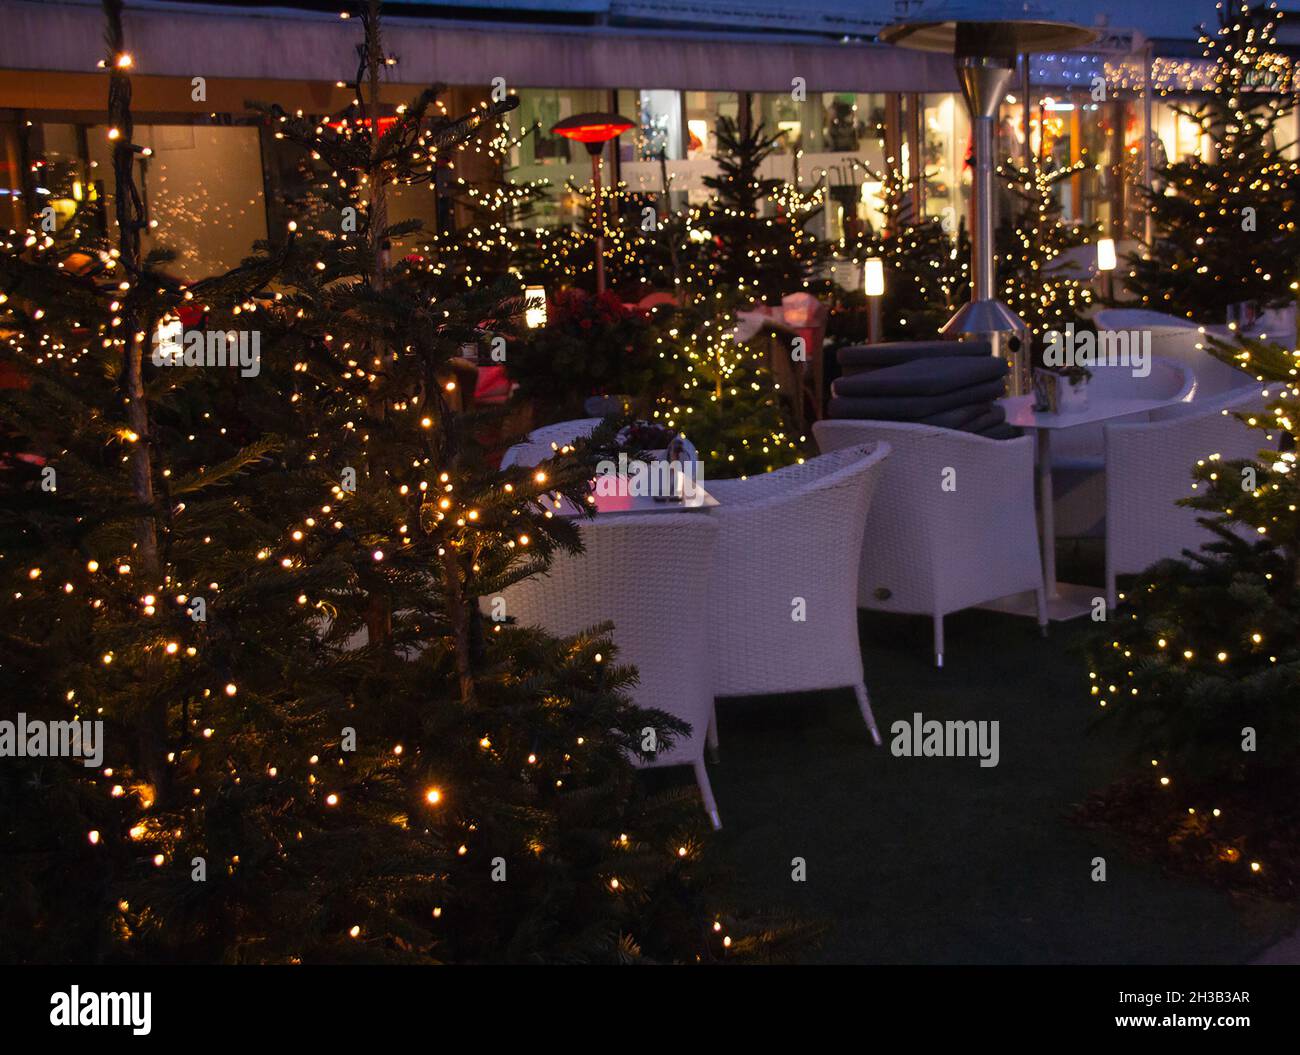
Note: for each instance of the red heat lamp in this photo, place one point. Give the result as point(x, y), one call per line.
point(593, 131)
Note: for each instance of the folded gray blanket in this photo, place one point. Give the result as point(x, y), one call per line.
point(858, 357)
point(923, 377)
point(910, 408)
point(991, 418)
point(958, 417)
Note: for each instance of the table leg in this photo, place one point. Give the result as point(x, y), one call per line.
point(1064, 600)
point(1046, 511)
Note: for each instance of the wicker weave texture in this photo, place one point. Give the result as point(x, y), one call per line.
point(930, 550)
point(783, 602)
point(1082, 447)
point(649, 576)
point(538, 447)
point(1149, 469)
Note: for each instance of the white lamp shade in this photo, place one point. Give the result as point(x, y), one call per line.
point(535, 306)
point(1106, 254)
point(873, 277)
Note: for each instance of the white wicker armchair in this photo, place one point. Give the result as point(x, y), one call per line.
point(538, 446)
point(1183, 342)
point(783, 604)
point(1078, 454)
point(1081, 447)
point(1149, 468)
point(931, 550)
point(649, 576)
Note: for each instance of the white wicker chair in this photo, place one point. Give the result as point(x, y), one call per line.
point(927, 550)
point(538, 446)
point(1149, 468)
point(1082, 447)
point(649, 576)
point(792, 538)
point(1078, 454)
point(1181, 341)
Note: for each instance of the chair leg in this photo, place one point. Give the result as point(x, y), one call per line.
point(1042, 610)
point(938, 641)
point(864, 705)
point(711, 734)
point(706, 793)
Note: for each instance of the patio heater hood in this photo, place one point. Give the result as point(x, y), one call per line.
point(985, 38)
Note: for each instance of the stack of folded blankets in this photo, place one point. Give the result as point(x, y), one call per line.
point(951, 384)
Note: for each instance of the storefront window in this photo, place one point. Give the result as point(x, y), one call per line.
point(680, 127)
point(1068, 127)
point(542, 155)
point(946, 130)
point(1180, 136)
point(59, 177)
point(703, 109)
point(658, 132)
point(209, 224)
point(834, 138)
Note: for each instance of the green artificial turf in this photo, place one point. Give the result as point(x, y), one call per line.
point(936, 860)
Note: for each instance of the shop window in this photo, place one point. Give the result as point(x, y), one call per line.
point(703, 109)
point(59, 176)
point(202, 191)
point(538, 154)
point(657, 116)
point(944, 152)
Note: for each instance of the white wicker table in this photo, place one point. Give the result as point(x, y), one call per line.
point(1064, 600)
point(699, 502)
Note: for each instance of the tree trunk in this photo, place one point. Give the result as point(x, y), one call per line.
point(378, 189)
point(129, 212)
point(458, 611)
point(130, 221)
point(379, 609)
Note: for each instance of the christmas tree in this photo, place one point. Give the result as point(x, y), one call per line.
point(1228, 227)
point(727, 401)
point(763, 257)
point(729, 258)
point(1030, 243)
point(926, 264)
point(264, 581)
point(488, 234)
point(1200, 665)
point(641, 241)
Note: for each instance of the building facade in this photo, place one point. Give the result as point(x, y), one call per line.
point(847, 108)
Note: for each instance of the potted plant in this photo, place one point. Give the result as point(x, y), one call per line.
point(590, 346)
point(1060, 389)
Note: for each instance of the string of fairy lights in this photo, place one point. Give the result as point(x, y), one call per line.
point(1242, 56)
point(429, 498)
point(1282, 415)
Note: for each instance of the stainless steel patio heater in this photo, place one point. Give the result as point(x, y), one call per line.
point(985, 38)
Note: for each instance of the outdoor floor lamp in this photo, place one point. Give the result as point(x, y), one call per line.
point(594, 131)
point(985, 48)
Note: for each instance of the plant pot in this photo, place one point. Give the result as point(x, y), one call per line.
point(1044, 384)
point(1057, 394)
point(1071, 396)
